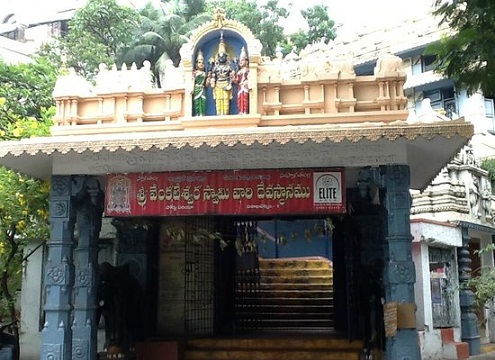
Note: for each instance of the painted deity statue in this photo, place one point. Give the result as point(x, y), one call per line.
point(241, 79)
point(221, 81)
point(200, 84)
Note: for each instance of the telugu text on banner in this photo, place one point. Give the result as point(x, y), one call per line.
point(235, 192)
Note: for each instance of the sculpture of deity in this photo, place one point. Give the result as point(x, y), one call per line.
point(200, 84)
point(486, 201)
point(221, 80)
point(474, 197)
point(241, 80)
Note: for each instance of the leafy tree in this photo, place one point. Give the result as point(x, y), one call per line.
point(321, 28)
point(26, 88)
point(468, 56)
point(263, 20)
point(483, 285)
point(26, 109)
point(100, 32)
point(489, 165)
point(164, 30)
point(23, 218)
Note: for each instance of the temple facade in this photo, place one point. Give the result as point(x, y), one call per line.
point(232, 163)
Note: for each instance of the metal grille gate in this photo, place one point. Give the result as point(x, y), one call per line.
point(247, 291)
point(199, 276)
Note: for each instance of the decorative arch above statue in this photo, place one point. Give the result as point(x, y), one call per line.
point(217, 60)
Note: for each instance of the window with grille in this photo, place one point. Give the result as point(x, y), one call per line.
point(428, 62)
point(443, 99)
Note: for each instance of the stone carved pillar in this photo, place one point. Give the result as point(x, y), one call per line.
point(59, 273)
point(89, 210)
point(469, 320)
point(399, 273)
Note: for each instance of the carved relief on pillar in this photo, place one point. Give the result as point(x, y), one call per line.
point(51, 352)
point(398, 175)
point(60, 185)
point(368, 187)
point(85, 277)
point(462, 190)
point(401, 272)
point(57, 274)
point(466, 156)
point(80, 349)
point(486, 200)
point(478, 192)
point(59, 209)
point(474, 196)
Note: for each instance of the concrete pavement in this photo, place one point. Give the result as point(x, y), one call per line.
point(487, 353)
point(484, 356)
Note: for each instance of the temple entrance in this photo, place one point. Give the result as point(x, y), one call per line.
point(284, 275)
point(230, 276)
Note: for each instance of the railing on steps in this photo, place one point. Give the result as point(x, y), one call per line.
point(293, 294)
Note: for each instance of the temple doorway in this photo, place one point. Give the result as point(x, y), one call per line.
point(228, 275)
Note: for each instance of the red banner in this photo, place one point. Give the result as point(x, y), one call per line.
point(237, 192)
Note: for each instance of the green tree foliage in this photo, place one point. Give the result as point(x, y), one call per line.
point(23, 218)
point(262, 20)
point(483, 285)
point(25, 111)
point(26, 88)
point(164, 30)
point(468, 56)
point(321, 28)
point(103, 32)
point(100, 32)
point(489, 165)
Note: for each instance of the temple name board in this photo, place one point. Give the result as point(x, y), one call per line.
point(235, 192)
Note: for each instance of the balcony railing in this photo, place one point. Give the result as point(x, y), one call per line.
point(282, 93)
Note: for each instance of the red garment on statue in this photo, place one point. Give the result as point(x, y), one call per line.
point(243, 91)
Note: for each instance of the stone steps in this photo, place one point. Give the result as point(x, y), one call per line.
point(270, 348)
point(292, 293)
